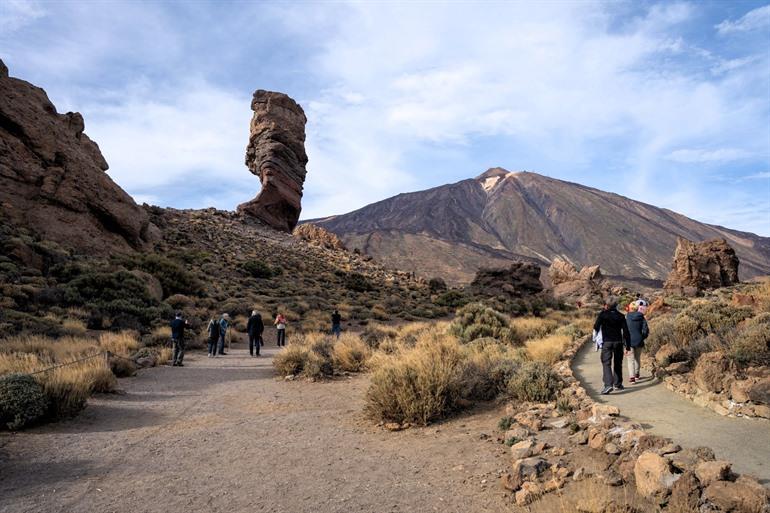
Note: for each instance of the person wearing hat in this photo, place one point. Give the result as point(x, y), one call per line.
point(224, 324)
point(615, 336)
point(638, 331)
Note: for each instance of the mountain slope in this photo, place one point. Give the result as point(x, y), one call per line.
point(454, 229)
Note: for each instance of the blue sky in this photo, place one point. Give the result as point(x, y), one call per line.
point(668, 103)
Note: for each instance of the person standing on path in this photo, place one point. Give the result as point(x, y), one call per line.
point(254, 328)
point(336, 324)
point(177, 337)
point(614, 336)
point(638, 331)
point(214, 332)
point(280, 329)
point(224, 324)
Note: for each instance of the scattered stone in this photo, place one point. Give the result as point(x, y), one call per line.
point(599, 410)
point(688, 459)
point(522, 449)
point(528, 493)
point(669, 449)
point(579, 438)
point(739, 390)
point(710, 371)
point(710, 471)
point(759, 391)
point(558, 451)
point(393, 426)
point(596, 438)
point(762, 411)
point(685, 493)
point(517, 432)
point(580, 474)
point(678, 368)
point(539, 448)
point(529, 420)
point(611, 478)
point(611, 448)
point(734, 497)
point(653, 475)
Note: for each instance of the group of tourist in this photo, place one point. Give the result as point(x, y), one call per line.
point(617, 335)
point(218, 329)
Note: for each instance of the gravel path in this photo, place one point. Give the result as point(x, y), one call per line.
point(745, 442)
point(224, 435)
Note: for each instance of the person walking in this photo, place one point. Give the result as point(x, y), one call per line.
point(177, 337)
point(224, 325)
point(336, 324)
point(638, 331)
point(614, 337)
point(280, 329)
point(254, 328)
point(214, 332)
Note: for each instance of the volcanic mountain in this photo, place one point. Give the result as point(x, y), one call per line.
point(452, 230)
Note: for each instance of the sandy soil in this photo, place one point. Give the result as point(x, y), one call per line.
point(224, 435)
point(743, 441)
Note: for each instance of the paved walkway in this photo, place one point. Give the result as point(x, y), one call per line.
point(744, 442)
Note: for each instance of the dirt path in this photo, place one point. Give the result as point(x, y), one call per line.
point(224, 435)
point(745, 442)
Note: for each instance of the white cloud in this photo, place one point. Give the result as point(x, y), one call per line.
point(690, 156)
point(756, 19)
point(15, 14)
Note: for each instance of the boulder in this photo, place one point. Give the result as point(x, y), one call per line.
point(319, 237)
point(587, 285)
point(710, 471)
point(528, 493)
point(699, 266)
point(521, 450)
point(759, 391)
point(276, 153)
point(739, 391)
point(735, 497)
point(53, 179)
point(685, 493)
point(710, 371)
point(653, 475)
point(688, 459)
point(519, 280)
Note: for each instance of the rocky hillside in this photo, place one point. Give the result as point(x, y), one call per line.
point(53, 180)
point(452, 230)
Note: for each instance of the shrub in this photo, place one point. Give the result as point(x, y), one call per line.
point(291, 360)
point(357, 282)
point(123, 343)
point(477, 321)
point(505, 423)
point(487, 368)
point(451, 299)
point(374, 334)
point(750, 344)
point(436, 285)
point(73, 327)
point(259, 269)
point(22, 401)
point(160, 336)
point(350, 353)
point(548, 349)
point(419, 385)
point(533, 327)
point(173, 277)
point(534, 381)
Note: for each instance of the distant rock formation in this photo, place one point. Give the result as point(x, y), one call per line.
point(276, 153)
point(318, 236)
point(519, 280)
point(702, 266)
point(587, 285)
point(53, 180)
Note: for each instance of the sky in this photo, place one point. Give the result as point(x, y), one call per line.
point(666, 103)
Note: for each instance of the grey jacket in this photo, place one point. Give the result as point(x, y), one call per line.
point(637, 329)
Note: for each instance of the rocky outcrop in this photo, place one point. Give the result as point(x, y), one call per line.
point(276, 153)
point(519, 280)
point(318, 236)
point(702, 266)
point(585, 286)
point(53, 180)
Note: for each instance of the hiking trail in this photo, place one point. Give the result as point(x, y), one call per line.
point(743, 441)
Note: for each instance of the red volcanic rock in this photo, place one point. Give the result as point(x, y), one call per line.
point(53, 180)
point(702, 265)
point(276, 153)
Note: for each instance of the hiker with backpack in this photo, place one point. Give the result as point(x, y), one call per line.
point(615, 336)
point(280, 329)
point(177, 338)
point(638, 331)
point(214, 331)
point(254, 328)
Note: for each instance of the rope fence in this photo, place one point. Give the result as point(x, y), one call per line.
point(106, 354)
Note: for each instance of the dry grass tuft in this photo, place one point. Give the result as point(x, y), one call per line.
point(548, 349)
point(534, 327)
point(350, 353)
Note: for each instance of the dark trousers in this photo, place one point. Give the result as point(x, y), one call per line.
point(612, 363)
point(213, 346)
point(222, 343)
point(336, 330)
point(254, 342)
point(281, 337)
point(178, 354)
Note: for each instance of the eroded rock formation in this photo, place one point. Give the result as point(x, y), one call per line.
point(701, 266)
point(519, 280)
point(587, 285)
point(276, 153)
point(53, 180)
point(318, 236)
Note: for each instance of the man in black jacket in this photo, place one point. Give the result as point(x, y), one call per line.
point(614, 337)
point(177, 337)
point(255, 327)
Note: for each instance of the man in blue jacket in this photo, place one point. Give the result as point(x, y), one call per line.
point(615, 336)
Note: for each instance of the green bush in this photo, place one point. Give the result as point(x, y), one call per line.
point(22, 401)
point(357, 282)
point(259, 269)
point(476, 320)
point(451, 299)
point(534, 381)
point(173, 277)
point(750, 344)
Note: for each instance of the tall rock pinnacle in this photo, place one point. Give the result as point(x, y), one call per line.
point(276, 153)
